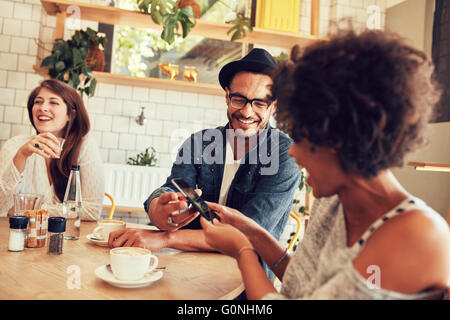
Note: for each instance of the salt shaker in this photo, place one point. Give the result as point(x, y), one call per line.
point(17, 232)
point(56, 229)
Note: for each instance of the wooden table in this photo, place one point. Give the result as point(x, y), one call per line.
point(33, 274)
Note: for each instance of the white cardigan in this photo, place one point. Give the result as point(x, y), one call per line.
point(34, 178)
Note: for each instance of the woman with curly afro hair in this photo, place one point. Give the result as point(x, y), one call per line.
point(355, 105)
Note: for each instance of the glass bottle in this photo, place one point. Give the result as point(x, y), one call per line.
point(17, 232)
point(72, 204)
point(56, 229)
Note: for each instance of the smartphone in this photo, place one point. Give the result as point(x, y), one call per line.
point(194, 198)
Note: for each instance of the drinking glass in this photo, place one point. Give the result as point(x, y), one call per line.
point(26, 201)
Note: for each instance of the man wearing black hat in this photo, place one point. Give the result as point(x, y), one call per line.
point(246, 166)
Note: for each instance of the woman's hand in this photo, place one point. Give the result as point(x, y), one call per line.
point(43, 144)
point(234, 217)
point(224, 237)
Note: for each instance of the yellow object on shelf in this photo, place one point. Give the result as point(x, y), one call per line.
point(278, 15)
point(170, 69)
point(190, 74)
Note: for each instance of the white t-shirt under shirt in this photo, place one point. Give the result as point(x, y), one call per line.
point(229, 171)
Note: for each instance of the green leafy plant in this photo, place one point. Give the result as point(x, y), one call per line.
point(145, 158)
point(156, 8)
point(297, 241)
point(283, 56)
point(300, 210)
point(67, 61)
point(171, 21)
point(241, 25)
point(170, 15)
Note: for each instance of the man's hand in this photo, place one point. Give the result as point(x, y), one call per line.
point(149, 239)
point(166, 213)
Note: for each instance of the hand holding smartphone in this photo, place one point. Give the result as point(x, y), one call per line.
point(189, 193)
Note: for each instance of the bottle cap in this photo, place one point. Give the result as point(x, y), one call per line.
point(56, 224)
point(18, 222)
point(75, 167)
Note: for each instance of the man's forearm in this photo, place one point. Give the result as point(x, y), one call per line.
point(188, 240)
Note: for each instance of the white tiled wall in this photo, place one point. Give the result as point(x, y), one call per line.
point(114, 108)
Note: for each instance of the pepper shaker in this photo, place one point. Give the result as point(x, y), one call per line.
point(56, 229)
point(17, 232)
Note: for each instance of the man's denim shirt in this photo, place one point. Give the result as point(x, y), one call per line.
point(263, 187)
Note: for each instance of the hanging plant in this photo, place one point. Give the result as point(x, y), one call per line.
point(72, 61)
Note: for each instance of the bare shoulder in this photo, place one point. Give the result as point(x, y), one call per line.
point(412, 251)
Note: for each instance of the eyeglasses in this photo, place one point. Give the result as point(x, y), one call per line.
point(239, 102)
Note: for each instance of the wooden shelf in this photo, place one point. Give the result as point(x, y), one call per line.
point(166, 84)
point(428, 166)
point(116, 16)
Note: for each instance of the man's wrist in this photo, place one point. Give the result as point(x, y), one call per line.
point(151, 208)
point(168, 239)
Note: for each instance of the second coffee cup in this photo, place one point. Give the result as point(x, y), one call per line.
point(106, 226)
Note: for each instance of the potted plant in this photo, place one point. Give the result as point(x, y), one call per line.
point(171, 14)
point(73, 61)
point(174, 13)
point(145, 158)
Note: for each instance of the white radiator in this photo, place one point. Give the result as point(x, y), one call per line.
point(130, 185)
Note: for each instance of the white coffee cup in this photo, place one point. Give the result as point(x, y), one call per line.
point(106, 226)
point(131, 263)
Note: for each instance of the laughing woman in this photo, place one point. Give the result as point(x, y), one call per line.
point(38, 163)
point(355, 106)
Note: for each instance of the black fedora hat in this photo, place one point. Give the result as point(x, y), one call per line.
point(258, 61)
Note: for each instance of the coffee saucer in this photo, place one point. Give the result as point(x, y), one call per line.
point(101, 243)
point(103, 273)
